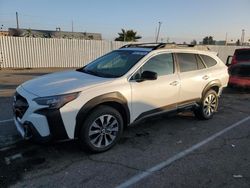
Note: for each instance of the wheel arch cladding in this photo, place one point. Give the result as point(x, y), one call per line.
point(215, 85)
point(114, 99)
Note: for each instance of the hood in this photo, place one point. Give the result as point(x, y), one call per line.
point(61, 83)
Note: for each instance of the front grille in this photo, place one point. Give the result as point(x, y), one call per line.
point(20, 105)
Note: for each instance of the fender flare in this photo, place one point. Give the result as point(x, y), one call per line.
point(94, 102)
point(214, 83)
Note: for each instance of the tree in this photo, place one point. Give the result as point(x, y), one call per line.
point(28, 33)
point(128, 35)
point(208, 40)
point(194, 42)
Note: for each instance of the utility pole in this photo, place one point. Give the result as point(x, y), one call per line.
point(72, 26)
point(17, 22)
point(124, 35)
point(242, 37)
point(226, 39)
point(155, 32)
point(159, 28)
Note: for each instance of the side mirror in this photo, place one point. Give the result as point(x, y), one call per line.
point(229, 60)
point(149, 75)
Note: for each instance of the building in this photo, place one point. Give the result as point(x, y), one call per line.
point(220, 42)
point(53, 34)
point(4, 33)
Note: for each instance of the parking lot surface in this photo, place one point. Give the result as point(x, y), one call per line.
point(165, 148)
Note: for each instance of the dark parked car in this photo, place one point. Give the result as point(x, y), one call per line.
point(240, 75)
point(239, 68)
point(241, 55)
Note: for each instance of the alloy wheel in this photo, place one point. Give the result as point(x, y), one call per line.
point(210, 105)
point(103, 131)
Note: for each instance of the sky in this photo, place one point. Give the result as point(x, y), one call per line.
point(182, 20)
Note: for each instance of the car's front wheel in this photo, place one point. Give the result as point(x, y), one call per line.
point(208, 106)
point(102, 129)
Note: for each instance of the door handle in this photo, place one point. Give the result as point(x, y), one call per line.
point(205, 77)
point(174, 83)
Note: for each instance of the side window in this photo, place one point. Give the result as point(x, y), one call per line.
point(209, 61)
point(187, 62)
point(162, 64)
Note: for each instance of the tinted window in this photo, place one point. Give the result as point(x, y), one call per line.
point(208, 60)
point(187, 62)
point(161, 64)
point(243, 55)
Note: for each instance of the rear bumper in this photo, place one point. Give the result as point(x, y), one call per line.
point(239, 81)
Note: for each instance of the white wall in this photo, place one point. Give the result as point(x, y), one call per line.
point(225, 51)
point(22, 52)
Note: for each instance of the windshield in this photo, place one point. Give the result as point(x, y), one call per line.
point(114, 64)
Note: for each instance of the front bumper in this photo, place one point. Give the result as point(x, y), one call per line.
point(28, 131)
point(36, 122)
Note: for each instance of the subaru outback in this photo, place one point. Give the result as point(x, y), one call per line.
point(96, 102)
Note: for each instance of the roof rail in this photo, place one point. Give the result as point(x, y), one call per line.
point(155, 46)
point(143, 45)
point(191, 46)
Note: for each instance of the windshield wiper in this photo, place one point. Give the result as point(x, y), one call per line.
point(99, 74)
point(88, 72)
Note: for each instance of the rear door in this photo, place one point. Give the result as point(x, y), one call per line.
point(193, 76)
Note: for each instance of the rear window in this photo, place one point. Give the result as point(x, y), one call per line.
point(242, 55)
point(241, 71)
point(209, 61)
point(189, 62)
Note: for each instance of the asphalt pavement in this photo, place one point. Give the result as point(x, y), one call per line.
point(165, 151)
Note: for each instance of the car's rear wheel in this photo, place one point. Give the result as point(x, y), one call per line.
point(101, 130)
point(208, 106)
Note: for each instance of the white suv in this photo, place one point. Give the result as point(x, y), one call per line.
point(95, 103)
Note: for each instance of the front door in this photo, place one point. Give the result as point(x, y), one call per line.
point(152, 96)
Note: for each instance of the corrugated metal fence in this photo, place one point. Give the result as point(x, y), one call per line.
point(21, 52)
point(225, 51)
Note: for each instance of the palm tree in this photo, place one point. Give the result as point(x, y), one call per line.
point(128, 35)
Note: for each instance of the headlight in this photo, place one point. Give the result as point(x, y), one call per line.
point(56, 102)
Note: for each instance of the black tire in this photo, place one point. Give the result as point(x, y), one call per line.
point(208, 106)
point(104, 123)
